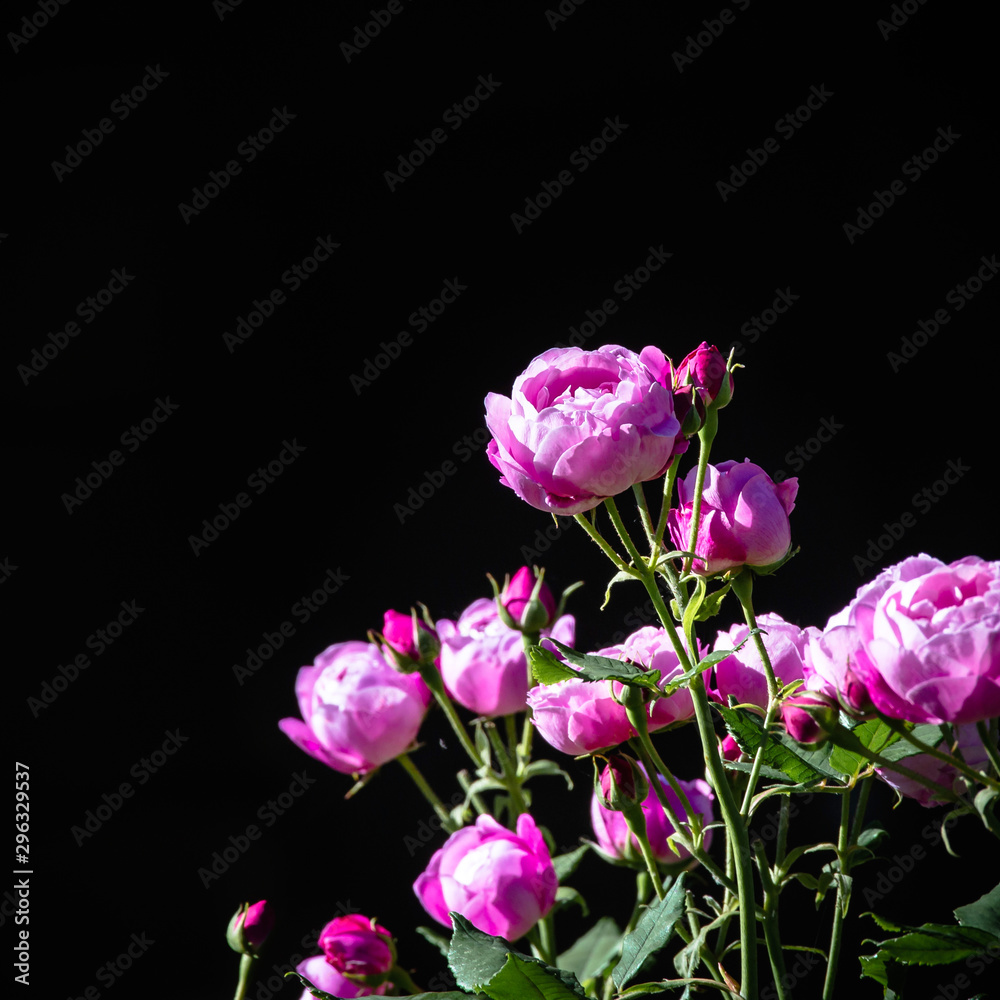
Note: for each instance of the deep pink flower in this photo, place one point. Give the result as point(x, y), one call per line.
point(615, 838)
point(928, 639)
point(579, 716)
point(358, 712)
point(482, 660)
point(581, 426)
point(325, 977)
point(516, 596)
point(802, 713)
point(355, 946)
point(397, 630)
point(501, 882)
point(250, 927)
point(743, 519)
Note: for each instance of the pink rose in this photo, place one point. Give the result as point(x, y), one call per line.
point(397, 630)
point(325, 977)
point(579, 716)
point(827, 665)
point(742, 674)
point(358, 947)
point(928, 639)
point(482, 660)
point(516, 600)
point(250, 927)
point(581, 426)
point(743, 519)
point(651, 649)
point(358, 712)
point(616, 840)
point(501, 882)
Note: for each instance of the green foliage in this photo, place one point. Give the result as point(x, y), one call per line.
point(654, 929)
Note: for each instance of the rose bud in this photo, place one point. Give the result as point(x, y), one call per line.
point(358, 948)
point(409, 638)
point(809, 716)
point(527, 604)
point(581, 426)
point(358, 711)
point(621, 783)
point(705, 369)
point(503, 883)
point(249, 928)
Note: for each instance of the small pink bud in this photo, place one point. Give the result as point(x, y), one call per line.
point(530, 613)
point(249, 927)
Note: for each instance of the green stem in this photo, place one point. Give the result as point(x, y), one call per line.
point(477, 802)
point(246, 967)
point(770, 920)
point(602, 543)
point(528, 731)
point(843, 843)
point(897, 727)
point(542, 938)
point(616, 519)
point(781, 842)
point(432, 678)
point(705, 438)
point(421, 782)
point(647, 523)
point(668, 492)
point(399, 976)
point(508, 775)
point(990, 745)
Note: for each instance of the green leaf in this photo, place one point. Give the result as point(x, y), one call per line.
point(617, 578)
point(475, 958)
point(438, 940)
point(603, 668)
point(566, 894)
point(547, 767)
point(566, 864)
point(746, 766)
point(983, 914)
point(984, 803)
point(874, 735)
point(593, 952)
point(702, 665)
point(652, 932)
point(781, 752)
point(317, 992)
point(546, 668)
point(903, 748)
point(527, 980)
point(712, 604)
point(936, 944)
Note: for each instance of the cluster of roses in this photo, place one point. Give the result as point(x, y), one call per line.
point(920, 643)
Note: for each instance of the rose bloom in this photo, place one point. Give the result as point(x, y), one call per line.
point(358, 712)
point(482, 660)
point(325, 977)
point(579, 716)
point(503, 883)
point(354, 947)
point(581, 426)
point(616, 840)
point(650, 648)
point(743, 517)
point(928, 639)
point(742, 675)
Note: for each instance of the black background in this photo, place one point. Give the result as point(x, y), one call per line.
point(365, 447)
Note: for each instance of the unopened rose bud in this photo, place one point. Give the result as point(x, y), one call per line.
point(410, 639)
point(249, 928)
point(808, 716)
point(621, 784)
point(705, 369)
point(526, 603)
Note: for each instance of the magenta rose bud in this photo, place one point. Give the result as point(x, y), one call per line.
point(579, 716)
point(358, 711)
point(250, 927)
point(482, 660)
point(929, 639)
point(530, 613)
point(325, 977)
point(412, 643)
point(581, 426)
point(743, 519)
point(650, 648)
point(808, 716)
point(503, 883)
point(358, 948)
point(742, 675)
point(615, 839)
point(705, 369)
